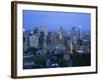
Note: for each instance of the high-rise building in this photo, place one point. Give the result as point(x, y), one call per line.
point(61, 35)
point(48, 40)
point(76, 37)
point(41, 39)
point(34, 40)
point(79, 32)
point(43, 30)
point(25, 40)
point(61, 32)
point(53, 38)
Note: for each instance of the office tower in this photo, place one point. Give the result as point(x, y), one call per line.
point(34, 40)
point(61, 34)
point(25, 40)
point(74, 36)
point(61, 31)
point(49, 38)
point(41, 39)
point(53, 38)
point(43, 30)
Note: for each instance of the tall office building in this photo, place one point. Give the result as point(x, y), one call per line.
point(44, 31)
point(79, 32)
point(74, 38)
point(25, 40)
point(61, 32)
point(61, 35)
point(41, 39)
point(48, 40)
point(34, 40)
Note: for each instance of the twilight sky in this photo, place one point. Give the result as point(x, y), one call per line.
point(53, 20)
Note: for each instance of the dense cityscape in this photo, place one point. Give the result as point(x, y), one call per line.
point(43, 48)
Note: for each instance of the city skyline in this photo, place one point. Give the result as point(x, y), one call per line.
point(56, 39)
point(53, 20)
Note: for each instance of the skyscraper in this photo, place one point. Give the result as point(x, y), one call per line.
point(76, 37)
point(44, 33)
point(61, 35)
point(41, 39)
point(34, 40)
point(73, 38)
point(25, 40)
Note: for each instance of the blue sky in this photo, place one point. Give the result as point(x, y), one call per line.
point(53, 20)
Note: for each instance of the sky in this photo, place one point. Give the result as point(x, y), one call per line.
point(53, 20)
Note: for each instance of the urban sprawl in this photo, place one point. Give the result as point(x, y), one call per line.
point(51, 49)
